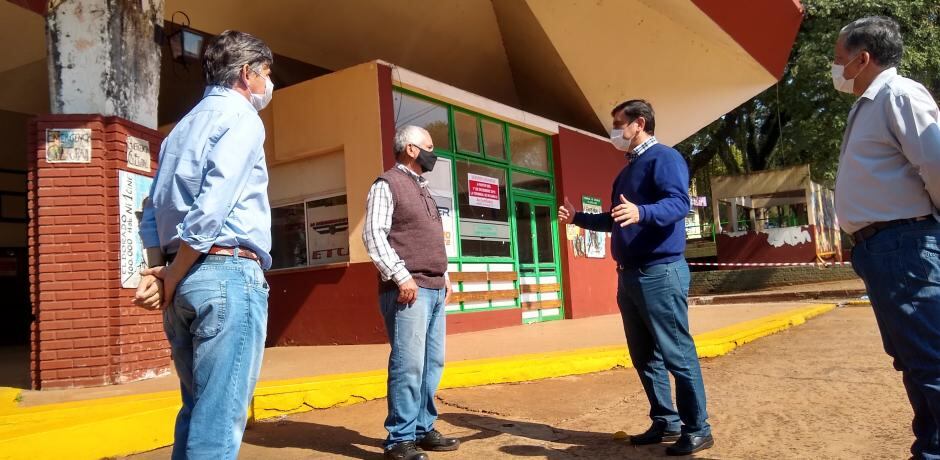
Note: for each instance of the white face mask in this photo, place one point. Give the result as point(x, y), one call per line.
point(616, 138)
point(845, 85)
point(260, 101)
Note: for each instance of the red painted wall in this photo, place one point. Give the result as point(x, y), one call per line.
point(333, 306)
point(585, 165)
point(752, 247)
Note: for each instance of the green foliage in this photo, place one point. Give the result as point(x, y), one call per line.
point(801, 119)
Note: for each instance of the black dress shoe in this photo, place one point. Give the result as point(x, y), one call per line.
point(405, 451)
point(436, 442)
point(656, 434)
point(688, 444)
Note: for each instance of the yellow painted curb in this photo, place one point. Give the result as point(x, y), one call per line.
point(127, 424)
point(9, 399)
point(858, 303)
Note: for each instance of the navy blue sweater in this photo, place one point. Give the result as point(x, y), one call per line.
point(658, 184)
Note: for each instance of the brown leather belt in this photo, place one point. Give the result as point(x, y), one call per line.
point(224, 251)
point(872, 229)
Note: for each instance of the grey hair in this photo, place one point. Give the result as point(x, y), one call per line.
point(228, 53)
point(409, 134)
point(878, 35)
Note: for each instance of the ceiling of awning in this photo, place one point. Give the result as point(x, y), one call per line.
point(570, 61)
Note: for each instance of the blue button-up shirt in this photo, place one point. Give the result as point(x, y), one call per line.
point(212, 184)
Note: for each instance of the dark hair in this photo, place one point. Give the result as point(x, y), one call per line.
point(878, 35)
point(231, 50)
point(636, 108)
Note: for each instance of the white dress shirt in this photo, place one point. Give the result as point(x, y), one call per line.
point(889, 166)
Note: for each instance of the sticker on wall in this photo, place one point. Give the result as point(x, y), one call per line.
point(138, 154)
point(484, 191)
point(572, 231)
point(68, 145)
point(594, 242)
point(134, 191)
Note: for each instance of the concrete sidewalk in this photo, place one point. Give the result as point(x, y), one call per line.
point(138, 416)
point(282, 363)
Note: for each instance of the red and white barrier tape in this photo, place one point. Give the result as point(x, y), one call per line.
point(765, 264)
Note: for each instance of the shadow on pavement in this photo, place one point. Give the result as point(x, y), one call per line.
point(324, 439)
point(582, 444)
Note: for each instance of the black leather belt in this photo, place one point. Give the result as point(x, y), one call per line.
point(872, 229)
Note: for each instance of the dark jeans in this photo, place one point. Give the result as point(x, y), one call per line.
point(654, 305)
point(901, 269)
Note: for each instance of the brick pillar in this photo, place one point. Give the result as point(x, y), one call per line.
point(86, 331)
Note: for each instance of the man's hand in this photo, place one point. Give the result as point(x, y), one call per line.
point(149, 293)
point(565, 212)
point(626, 213)
point(408, 291)
point(448, 291)
point(172, 276)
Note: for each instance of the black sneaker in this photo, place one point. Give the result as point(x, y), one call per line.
point(436, 442)
point(405, 451)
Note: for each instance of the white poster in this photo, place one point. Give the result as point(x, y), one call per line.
point(441, 186)
point(327, 232)
point(138, 154)
point(133, 190)
point(484, 191)
point(68, 145)
point(594, 242)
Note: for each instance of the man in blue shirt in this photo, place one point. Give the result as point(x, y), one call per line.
point(648, 227)
point(209, 217)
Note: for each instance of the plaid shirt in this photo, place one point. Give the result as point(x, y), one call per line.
point(633, 155)
point(379, 209)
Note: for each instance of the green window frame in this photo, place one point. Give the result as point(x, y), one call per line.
point(485, 156)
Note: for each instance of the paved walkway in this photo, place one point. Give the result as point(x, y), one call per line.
point(295, 362)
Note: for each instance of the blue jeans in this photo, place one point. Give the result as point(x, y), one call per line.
point(216, 327)
point(654, 306)
point(416, 333)
point(901, 269)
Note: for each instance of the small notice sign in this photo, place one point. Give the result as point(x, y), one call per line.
point(484, 191)
point(138, 154)
point(68, 145)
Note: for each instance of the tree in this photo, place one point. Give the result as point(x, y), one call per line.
point(801, 119)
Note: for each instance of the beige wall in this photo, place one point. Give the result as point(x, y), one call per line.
point(311, 126)
point(692, 71)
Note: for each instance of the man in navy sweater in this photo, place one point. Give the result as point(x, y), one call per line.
point(648, 227)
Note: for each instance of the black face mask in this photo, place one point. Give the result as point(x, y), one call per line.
point(426, 160)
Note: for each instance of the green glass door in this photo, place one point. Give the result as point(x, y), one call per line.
point(536, 250)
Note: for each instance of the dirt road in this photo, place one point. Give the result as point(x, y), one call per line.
point(824, 389)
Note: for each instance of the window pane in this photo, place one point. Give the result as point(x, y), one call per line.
point(524, 233)
point(484, 219)
point(468, 133)
point(528, 150)
point(410, 110)
point(328, 234)
point(543, 232)
point(493, 140)
point(530, 182)
point(288, 242)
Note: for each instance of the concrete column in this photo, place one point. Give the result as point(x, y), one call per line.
point(104, 58)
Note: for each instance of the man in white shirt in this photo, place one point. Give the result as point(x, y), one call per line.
point(886, 197)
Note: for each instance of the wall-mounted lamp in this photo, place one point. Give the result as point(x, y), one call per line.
point(185, 43)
